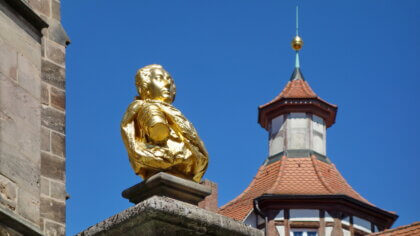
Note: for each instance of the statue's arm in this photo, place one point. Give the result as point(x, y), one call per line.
point(139, 150)
point(127, 124)
point(155, 124)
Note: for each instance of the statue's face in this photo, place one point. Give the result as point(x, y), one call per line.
point(161, 86)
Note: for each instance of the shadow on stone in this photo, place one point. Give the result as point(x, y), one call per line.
point(167, 185)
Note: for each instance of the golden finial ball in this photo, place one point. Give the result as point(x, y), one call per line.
point(297, 43)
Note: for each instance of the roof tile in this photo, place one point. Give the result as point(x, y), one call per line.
point(306, 176)
point(294, 89)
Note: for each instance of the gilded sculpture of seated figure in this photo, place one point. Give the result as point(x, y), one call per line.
point(157, 136)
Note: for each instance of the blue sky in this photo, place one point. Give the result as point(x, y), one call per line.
point(228, 57)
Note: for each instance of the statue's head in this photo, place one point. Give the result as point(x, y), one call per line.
point(155, 83)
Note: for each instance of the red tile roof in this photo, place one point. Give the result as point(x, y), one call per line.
point(297, 89)
point(406, 230)
point(303, 176)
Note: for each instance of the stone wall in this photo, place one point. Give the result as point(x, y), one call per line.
point(160, 215)
point(32, 117)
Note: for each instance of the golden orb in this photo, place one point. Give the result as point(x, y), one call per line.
point(297, 43)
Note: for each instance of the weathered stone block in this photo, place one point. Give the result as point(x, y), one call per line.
point(21, 136)
point(20, 169)
point(53, 210)
point(45, 186)
point(53, 119)
point(20, 123)
point(55, 10)
point(18, 32)
point(45, 94)
point(8, 193)
point(52, 167)
point(58, 190)
point(8, 67)
point(166, 216)
point(58, 98)
point(53, 74)
point(41, 223)
point(28, 205)
point(56, 53)
point(53, 229)
point(41, 6)
point(18, 102)
point(29, 76)
point(163, 184)
point(45, 139)
point(58, 144)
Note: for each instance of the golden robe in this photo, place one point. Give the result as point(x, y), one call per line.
point(181, 152)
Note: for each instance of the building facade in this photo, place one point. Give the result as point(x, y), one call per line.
point(32, 118)
point(298, 191)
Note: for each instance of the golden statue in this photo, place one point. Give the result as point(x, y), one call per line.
point(158, 138)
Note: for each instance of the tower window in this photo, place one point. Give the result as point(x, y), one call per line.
point(303, 232)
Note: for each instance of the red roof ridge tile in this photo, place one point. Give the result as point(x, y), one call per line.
point(320, 177)
point(279, 176)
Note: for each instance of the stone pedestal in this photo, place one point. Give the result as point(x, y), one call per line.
point(167, 205)
point(165, 216)
point(167, 185)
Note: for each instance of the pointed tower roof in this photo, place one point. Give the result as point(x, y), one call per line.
point(297, 96)
point(300, 178)
point(297, 87)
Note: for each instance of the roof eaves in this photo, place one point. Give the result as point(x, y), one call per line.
point(328, 196)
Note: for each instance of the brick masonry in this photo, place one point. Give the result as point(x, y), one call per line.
point(32, 117)
point(210, 203)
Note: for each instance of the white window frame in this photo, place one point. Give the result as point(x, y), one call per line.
point(305, 231)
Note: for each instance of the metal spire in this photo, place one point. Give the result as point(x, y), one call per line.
point(297, 44)
point(297, 17)
point(297, 63)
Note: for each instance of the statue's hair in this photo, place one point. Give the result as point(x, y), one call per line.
point(142, 79)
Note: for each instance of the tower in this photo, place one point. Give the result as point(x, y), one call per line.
point(32, 118)
point(298, 191)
